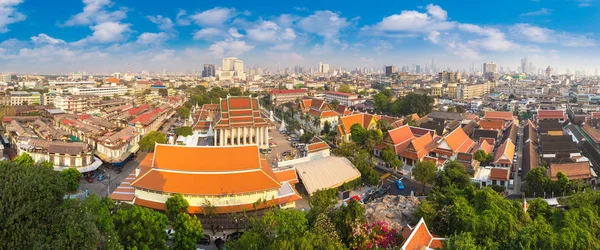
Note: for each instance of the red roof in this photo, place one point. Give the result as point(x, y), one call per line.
point(551, 114)
point(419, 237)
point(137, 110)
point(507, 116)
point(339, 93)
point(147, 117)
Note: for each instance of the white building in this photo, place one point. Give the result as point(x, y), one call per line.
point(99, 91)
point(24, 98)
point(323, 68)
point(233, 68)
point(343, 98)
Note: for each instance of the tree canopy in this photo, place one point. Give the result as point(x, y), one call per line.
point(148, 142)
point(345, 88)
point(184, 131)
point(71, 177)
point(183, 112)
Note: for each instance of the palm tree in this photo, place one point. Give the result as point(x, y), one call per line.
point(317, 122)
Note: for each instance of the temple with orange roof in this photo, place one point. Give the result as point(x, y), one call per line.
point(317, 109)
point(419, 237)
point(209, 177)
point(239, 122)
point(505, 154)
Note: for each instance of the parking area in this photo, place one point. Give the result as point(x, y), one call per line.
point(112, 178)
point(282, 145)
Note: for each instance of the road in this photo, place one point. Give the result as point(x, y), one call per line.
point(100, 187)
point(410, 186)
point(519, 150)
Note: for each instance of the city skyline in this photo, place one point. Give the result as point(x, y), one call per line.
point(103, 35)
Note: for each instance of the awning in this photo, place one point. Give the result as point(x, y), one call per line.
point(97, 162)
point(135, 148)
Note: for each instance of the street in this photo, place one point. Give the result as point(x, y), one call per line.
point(100, 187)
point(517, 181)
point(410, 186)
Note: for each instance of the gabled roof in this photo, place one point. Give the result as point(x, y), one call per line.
point(505, 153)
point(458, 141)
point(346, 122)
point(492, 124)
point(591, 132)
point(419, 147)
point(574, 171)
point(530, 158)
point(419, 237)
point(316, 145)
point(506, 116)
point(207, 170)
point(551, 114)
point(240, 111)
point(500, 174)
point(343, 110)
point(288, 91)
point(483, 133)
point(399, 138)
point(486, 146)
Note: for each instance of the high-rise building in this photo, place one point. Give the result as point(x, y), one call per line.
point(323, 68)
point(448, 77)
point(389, 70)
point(524, 65)
point(209, 70)
point(233, 68)
point(549, 71)
point(418, 69)
point(117, 75)
point(489, 69)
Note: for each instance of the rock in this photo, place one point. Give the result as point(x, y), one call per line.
point(397, 211)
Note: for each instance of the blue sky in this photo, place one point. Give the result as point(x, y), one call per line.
point(40, 36)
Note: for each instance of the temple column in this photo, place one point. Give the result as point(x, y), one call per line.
point(266, 139)
point(259, 136)
point(245, 136)
point(226, 142)
point(252, 140)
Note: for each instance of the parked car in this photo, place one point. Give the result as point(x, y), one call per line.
point(399, 184)
point(90, 179)
point(94, 174)
point(273, 145)
point(101, 177)
point(234, 236)
point(294, 144)
point(118, 170)
point(205, 240)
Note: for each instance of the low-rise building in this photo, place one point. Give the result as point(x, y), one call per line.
point(99, 91)
point(287, 95)
point(343, 98)
point(61, 154)
point(24, 98)
point(117, 147)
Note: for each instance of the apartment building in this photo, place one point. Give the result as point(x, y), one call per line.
point(76, 103)
point(24, 98)
point(343, 98)
point(99, 91)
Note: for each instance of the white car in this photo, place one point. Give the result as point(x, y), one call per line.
point(170, 233)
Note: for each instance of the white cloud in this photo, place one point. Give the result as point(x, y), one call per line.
point(268, 31)
point(152, 38)
point(382, 46)
point(164, 23)
point(209, 34)
point(462, 50)
point(106, 33)
point(95, 11)
point(437, 12)
point(324, 23)
point(45, 39)
point(283, 46)
point(533, 33)
point(538, 34)
point(163, 56)
point(9, 14)
point(214, 17)
point(414, 21)
point(287, 57)
point(229, 47)
point(492, 38)
point(182, 19)
point(433, 37)
point(541, 12)
point(234, 33)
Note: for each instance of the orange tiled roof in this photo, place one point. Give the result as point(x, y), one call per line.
point(288, 175)
point(113, 80)
point(214, 172)
point(125, 192)
point(551, 114)
point(240, 111)
point(507, 116)
point(419, 147)
point(492, 124)
point(485, 145)
point(317, 144)
point(591, 132)
point(505, 153)
point(346, 122)
point(500, 174)
point(420, 238)
point(575, 171)
point(458, 141)
point(400, 134)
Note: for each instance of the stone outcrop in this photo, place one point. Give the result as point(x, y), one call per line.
point(397, 211)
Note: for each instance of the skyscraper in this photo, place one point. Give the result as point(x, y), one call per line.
point(549, 71)
point(389, 70)
point(209, 70)
point(233, 68)
point(323, 68)
point(489, 69)
point(524, 65)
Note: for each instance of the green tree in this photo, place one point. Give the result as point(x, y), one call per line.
point(183, 112)
point(424, 172)
point(184, 131)
point(347, 217)
point(101, 208)
point(563, 182)
point(345, 88)
point(47, 164)
point(460, 109)
point(452, 109)
point(358, 133)
point(381, 103)
point(235, 91)
point(536, 182)
point(24, 159)
point(141, 228)
point(453, 174)
point(321, 201)
point(188, 230)
point(326, 127)
point(306, 137)
point(163, 92)
point(148, 142)
point(388, 154)
point(72, 227)
point(316, 122)
point(409, 121)
point(71, 177)
point(334, 104)
point(176, 204)
point(462, 241)
point(480, 155)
